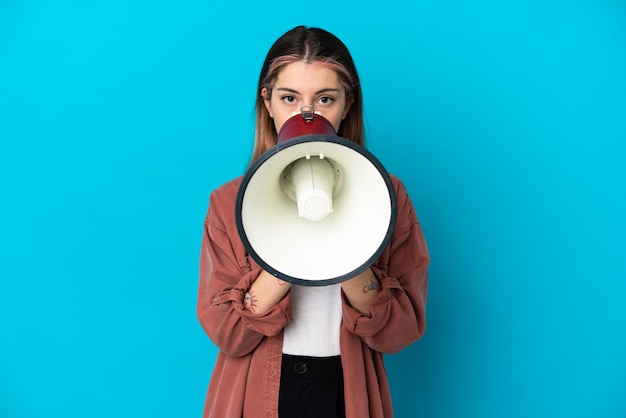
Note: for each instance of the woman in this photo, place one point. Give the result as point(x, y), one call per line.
point(293, 351)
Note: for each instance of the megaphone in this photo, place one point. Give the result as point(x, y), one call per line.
point(315, 209)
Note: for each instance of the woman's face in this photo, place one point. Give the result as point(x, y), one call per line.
point(307, 84)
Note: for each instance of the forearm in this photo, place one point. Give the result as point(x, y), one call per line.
point(361, 290)
point(264, 293)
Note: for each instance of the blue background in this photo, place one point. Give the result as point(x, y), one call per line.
point(506, 121)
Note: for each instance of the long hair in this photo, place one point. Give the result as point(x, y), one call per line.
point(309, 45)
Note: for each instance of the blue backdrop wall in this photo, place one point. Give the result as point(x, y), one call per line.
point(506, 121)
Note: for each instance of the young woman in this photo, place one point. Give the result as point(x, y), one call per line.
point(294, 351)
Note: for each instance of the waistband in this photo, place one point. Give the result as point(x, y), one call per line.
point(312, 367)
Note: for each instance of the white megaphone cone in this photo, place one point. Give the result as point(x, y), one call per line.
point(315, 209)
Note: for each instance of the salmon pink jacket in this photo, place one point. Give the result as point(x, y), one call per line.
point(246, 376)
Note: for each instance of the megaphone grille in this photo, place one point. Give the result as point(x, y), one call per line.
point(340, 246)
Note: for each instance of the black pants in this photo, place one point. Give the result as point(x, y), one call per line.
point(311, 387)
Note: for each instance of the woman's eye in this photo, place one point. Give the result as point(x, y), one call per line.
point(326, 100)
point(289, 99)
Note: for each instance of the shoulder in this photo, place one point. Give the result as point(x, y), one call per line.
point(222, 201)
point(226, 194)
point(227, 190)
point(401, 193)
point(406, 215)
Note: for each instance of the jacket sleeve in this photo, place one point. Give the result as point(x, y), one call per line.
point(226, 273)
point(398, 314)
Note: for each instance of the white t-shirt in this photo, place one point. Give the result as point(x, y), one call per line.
point(316, 321)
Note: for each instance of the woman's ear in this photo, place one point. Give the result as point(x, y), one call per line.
point(266, 100)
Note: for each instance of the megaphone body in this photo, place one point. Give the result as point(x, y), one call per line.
point(315, 209)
